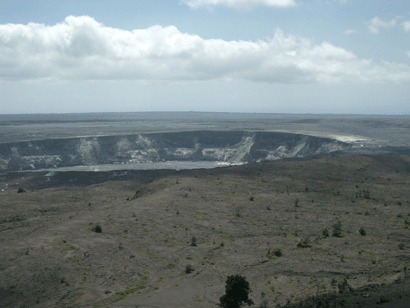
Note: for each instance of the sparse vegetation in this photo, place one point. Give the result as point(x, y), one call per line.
point(270, 231)
point(139, 286)
point(21, 190)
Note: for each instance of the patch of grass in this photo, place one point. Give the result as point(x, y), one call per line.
point(172, 265)
point(150, 253)
point(15, 218)
point(69, 246)
point(75, 259)
point(139, 286)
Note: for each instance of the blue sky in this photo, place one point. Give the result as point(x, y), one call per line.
point(295, 56)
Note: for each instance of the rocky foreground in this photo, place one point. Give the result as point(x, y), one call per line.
point(332, 227)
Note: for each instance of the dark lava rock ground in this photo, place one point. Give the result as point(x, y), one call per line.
point(240, 218)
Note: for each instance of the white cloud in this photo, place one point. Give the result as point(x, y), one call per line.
point(239, 4)
point(376, 23)
point(406, 26)
point(80, 48)
point(350, 31)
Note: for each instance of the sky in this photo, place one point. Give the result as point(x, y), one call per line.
point(262, 56)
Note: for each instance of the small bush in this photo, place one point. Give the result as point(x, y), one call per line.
point(333, 283)
point(272, 255)
point(97, 228)
point(337, 229)
point(325, 233)
point(383, 299)
point(189, 269)
point(296, 202)
point(401, 246)
point(193, 241)
point(362, 231)
point(304, 243)
point(344, 286)
point(251, 198)
point(21, 190)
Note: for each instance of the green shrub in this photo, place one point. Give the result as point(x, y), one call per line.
point(362, 231)
point(193, 241)
point(97, 228)
point(189, 269)
point(21, 190)
point(337, 229)
point(304, 243)
point(325, 233)
point(272, 255)
point(236, 292)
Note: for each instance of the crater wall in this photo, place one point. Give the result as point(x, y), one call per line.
point(218, 146)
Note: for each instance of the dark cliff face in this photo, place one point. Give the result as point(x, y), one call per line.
point(230, 147)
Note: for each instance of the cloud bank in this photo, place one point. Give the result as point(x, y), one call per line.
point(80, 48)
point(239, 4)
